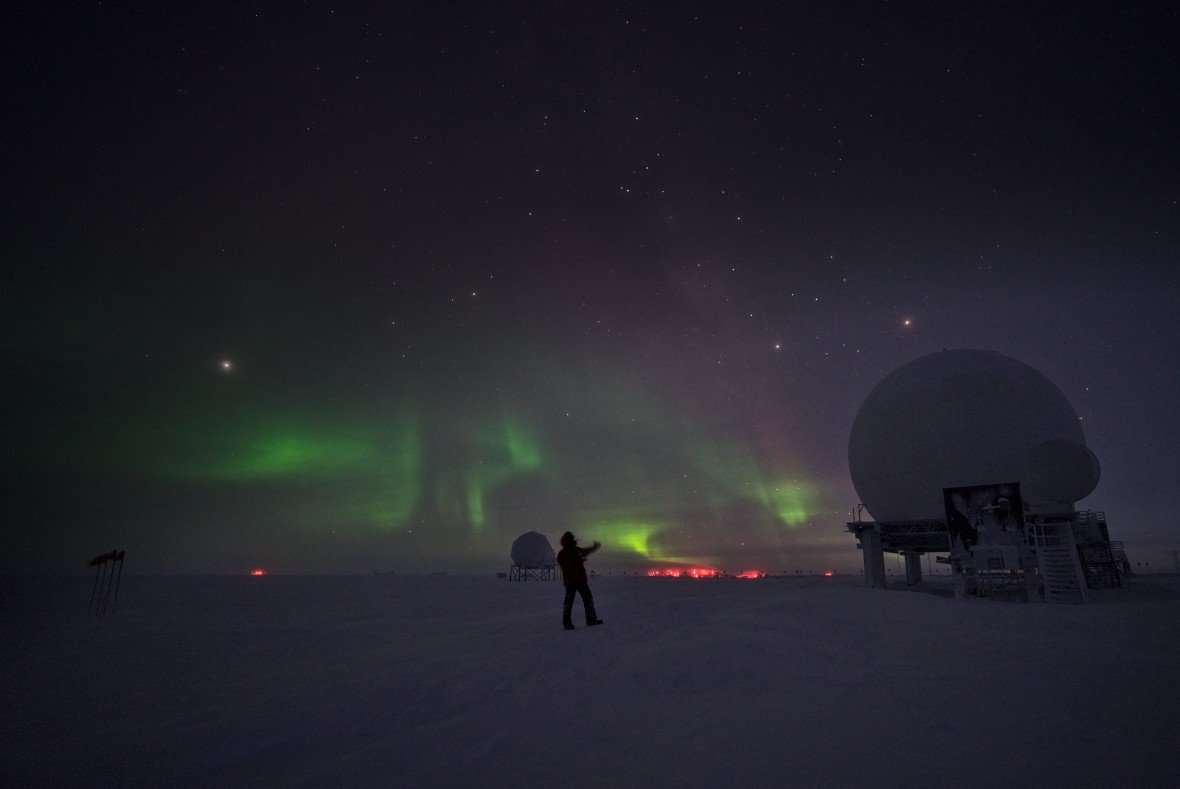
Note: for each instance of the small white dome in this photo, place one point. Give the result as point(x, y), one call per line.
point(532, 549)
point(1059, 471)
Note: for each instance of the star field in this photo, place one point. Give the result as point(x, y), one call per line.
point(340, 287)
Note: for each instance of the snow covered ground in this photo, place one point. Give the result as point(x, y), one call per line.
point(385, 680)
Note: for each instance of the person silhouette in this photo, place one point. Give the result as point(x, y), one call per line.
point(573, 575)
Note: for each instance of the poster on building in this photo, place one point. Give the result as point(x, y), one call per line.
point(984, 516)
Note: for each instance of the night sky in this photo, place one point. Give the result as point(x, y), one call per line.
point(342, 288)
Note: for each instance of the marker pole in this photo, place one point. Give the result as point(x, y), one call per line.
point(97, 570)
point(119, 559)
point(101, 588)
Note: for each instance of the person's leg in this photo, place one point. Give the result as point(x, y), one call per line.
point(568, 607)
point(588, 602)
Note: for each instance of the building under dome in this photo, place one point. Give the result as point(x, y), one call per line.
point(979, 457)
point(532, 558)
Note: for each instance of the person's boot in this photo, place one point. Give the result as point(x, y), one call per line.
point(568, 625)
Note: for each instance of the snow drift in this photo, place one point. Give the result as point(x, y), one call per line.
point(388, 680)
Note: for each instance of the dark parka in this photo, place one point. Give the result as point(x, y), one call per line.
point(572, 560)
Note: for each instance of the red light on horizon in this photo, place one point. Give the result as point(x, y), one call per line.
point(829, 573)
point(751, 574)
point(677, 572)
point(258, 572)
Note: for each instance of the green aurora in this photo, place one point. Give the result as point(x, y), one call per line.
point(615, 461)
point(474, 476)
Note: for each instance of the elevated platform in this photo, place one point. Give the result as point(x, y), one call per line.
point(910, 539)
point(532, 572)
point(925, 536)
point(1081, 538)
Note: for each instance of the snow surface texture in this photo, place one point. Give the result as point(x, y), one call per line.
point(470, 681)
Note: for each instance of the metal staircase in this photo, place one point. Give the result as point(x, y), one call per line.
point(1057, 560)
point(1100, 557)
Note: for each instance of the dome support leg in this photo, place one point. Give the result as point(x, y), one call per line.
point(913, 567)
point(874, 556)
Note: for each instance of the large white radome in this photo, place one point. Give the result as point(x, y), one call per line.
point(965, 417)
